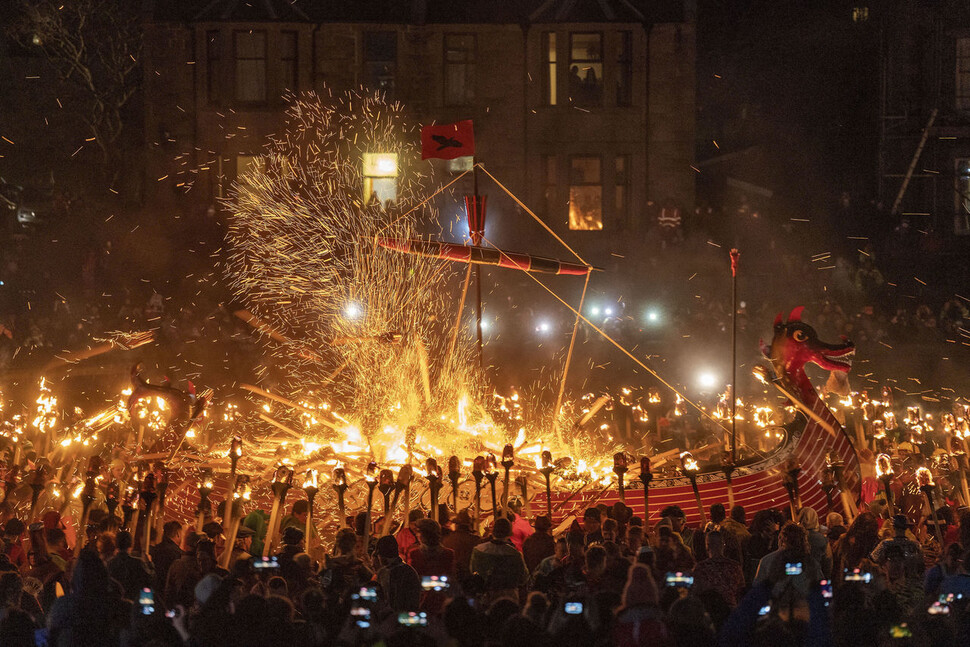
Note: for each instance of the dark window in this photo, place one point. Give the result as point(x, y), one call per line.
point(213, 66)
point(251, 66)
point(585, 193)
point(459, 69)
point(288, 59)
point(549, 79)
point(549, 185)
point(624, 70)
point(586, 69)
point(621, 182)
point(963, 74)
point(380, 60)
point(961, 224)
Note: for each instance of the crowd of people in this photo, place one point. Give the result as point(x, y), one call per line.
point(609, 578)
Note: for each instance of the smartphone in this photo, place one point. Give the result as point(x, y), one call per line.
point(435, 583)
point(793, 568)
point(573, 608)
point(366, 593)
point(826, 586)
point(361, 616)
point(146, 601)
point(645, 550)
point(939, 608)
point(901, 630)
point(857, 575)
point(765, 610)
point(266, 564)
point(170, 614)
point(412, 619)
point(679, 580)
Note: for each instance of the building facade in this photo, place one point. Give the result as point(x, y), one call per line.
point(584, 110)
point(924, 126)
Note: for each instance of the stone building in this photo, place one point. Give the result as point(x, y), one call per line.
point(585, 109)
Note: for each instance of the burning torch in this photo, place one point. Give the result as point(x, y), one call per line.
point(385, 485)
point(339, 483)
point(924, 478)
point(508, 460)
point(790, 481)
point(689, 467)
point(148, 495)
point(454, 475)
point(620, 468)
point(311, 486)
point(240, 490)
point(87, 498)
point(282, 480)
point(728, 467)
point(37, 486)
point(235, 453)
point(884, 472)
point(546, 469)
point(478, 471)
point(835, 464)
point(10, 482)
point(645, 477)
point(402, 484)
point(433, 473)
point(491, 473)
point(205, 489)
point(370, 476)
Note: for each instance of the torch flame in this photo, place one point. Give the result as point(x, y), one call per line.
point(884, 466)
point(924, 477)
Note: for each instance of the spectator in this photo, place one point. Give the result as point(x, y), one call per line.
point(408, 536)
point(639, 622)
point(400, 584)
point(462, 541)
point(183, 575)
point(521, 528)
point(539, 545)
point(717, 572)
point(817, 542)
point(131, 572)
point(166, 552)
point(499, 564)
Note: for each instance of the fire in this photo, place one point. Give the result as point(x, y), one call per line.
point(884, 466)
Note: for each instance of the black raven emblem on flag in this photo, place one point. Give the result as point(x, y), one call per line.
point(446, 142)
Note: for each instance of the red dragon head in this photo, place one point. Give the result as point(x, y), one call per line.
point(796, 344)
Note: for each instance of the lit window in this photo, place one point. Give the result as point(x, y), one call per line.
point(461, 164)
point(585, 194)
point(250, 66)
point(961, 224)
point(288, 58)
point(459, 69)
point(621, 182)
point(963, 74)
point(380, 60)
point(549, 79)
point(213, 69)
point(624, 70)
point(586, 69)
point(860, 14)
point(380, 177)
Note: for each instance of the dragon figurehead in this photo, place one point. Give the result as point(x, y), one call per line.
point(796, 344)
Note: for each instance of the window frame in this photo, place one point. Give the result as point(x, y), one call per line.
point(213, 67)
point(550, 68)
point(573, 184)
point(961, 197)
point(624, 69)
point(469, 63)
point(237, 59)
point(961, 87)
point(598, 103)
point(368, 62)
point(290, 63)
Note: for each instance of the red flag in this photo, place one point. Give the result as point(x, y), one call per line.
point(448, 141)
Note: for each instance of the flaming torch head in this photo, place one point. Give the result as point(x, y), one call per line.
point(924, 478)
point(339, 478)
point(371, 474)
point(619, 463)
point(404, 476)
point(508, 456)
point(235, 449)
point(385, 481)
point(884, 467)
point(688, 464)
point(478, 468)
point(432, 471)
point(645, 474)
point(454, 468)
